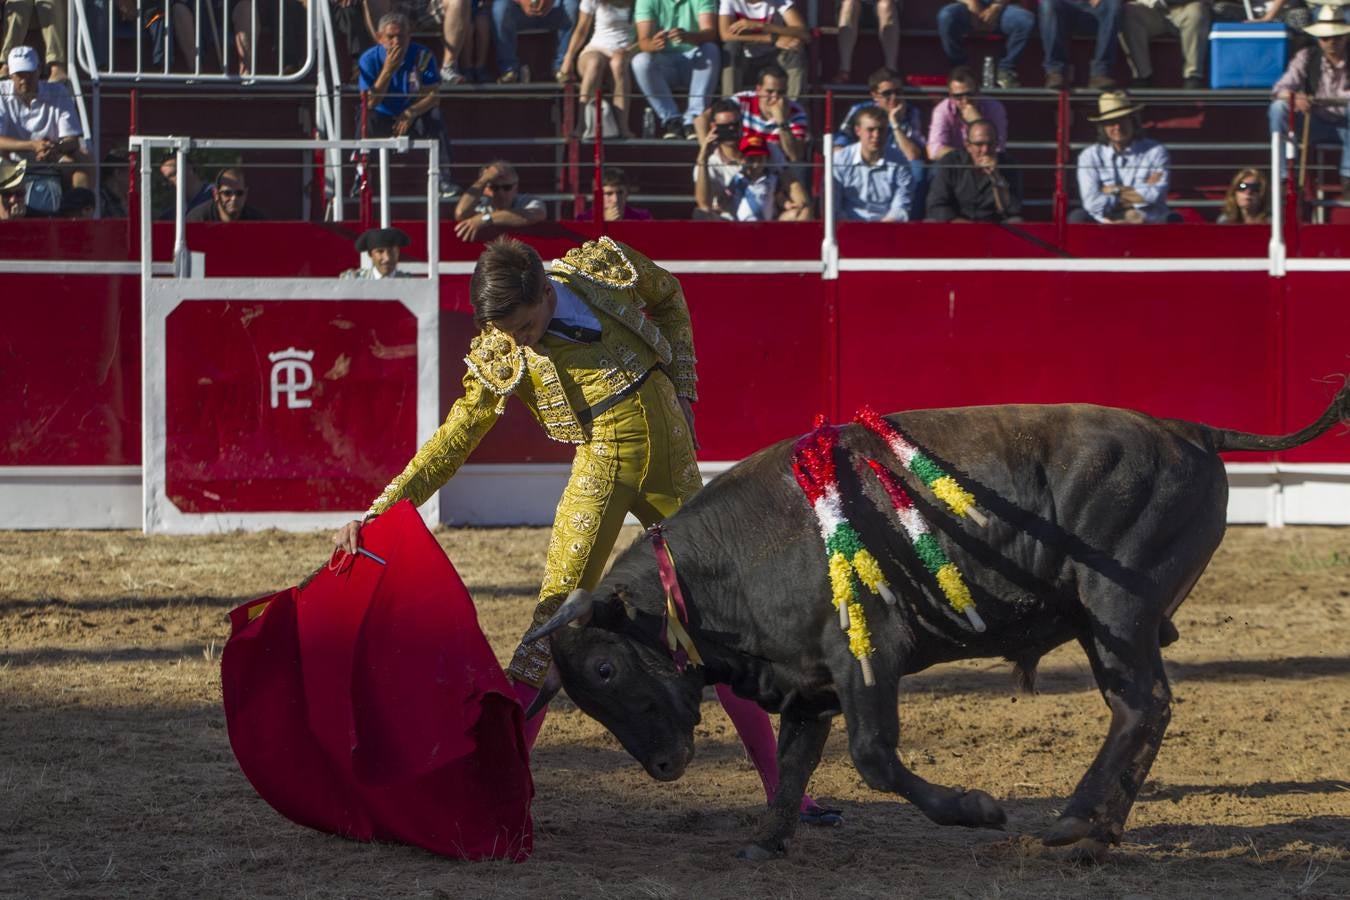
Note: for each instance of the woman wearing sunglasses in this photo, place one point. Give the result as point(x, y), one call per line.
point(1247, 201)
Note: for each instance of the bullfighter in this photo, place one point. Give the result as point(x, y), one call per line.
point(600, 350)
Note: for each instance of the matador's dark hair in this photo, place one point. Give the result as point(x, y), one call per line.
point(507, 276)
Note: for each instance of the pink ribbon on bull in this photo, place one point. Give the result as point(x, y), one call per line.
point(673, 632)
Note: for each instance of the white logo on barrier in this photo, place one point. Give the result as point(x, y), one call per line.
point(292, 375)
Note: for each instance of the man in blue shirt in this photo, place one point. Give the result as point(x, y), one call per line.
point(1123, 177)
point(871, 177)
point(400, 79)
point(904, 126)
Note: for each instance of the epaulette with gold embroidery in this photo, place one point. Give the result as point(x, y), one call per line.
point(497, 362)
point(601, 261)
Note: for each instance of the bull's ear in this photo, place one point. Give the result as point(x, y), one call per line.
point(577, 608)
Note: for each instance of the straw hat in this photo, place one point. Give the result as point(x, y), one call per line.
point(1112, 105)
point(11, 174)
point(1330, 22)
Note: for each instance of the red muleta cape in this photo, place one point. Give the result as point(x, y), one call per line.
point(368, 703)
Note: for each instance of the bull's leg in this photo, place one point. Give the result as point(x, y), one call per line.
point(800, 743)
point(1128, 667)
point(873, 736)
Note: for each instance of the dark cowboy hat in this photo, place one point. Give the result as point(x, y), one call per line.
point(381, 237)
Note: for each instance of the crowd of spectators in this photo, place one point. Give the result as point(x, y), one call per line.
point(893, 159)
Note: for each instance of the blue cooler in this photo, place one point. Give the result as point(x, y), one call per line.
point(1243, 55)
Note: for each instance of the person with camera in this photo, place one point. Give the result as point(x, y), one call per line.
point(742, 177)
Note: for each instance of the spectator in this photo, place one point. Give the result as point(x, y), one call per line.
point(113, 184)
point(1247, 201)
point(1315, 84)
point(1293, 13)
point(382, 246)
point(952, 116)
point(13, 190)
point(614, 189)
point(1122, 177)
point(678, 44)
point(400, 79)
point(1015, 22)
point(493, 204)
point(888, 32)
point(904, 126)
point(472, 53)
point(871, 177)
point(509, 16)
point(51, 17)
point(1186, 20)
point(756, 33)
point(449, 17)
point(767, 112)
point(609, 25)
point(1060, 18)
point(752, 186)
point(184, 28)
point(77, 203)
point(975, 184)
point(229, 196)
point(38, 120)
point(195, 191)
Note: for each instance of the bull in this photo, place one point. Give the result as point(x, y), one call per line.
point(1098, 522)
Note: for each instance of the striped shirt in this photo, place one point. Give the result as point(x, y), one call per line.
point(755, 121)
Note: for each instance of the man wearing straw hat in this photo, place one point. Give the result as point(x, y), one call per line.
point(1123, 177)
point(1315, 84)
point(13, 189)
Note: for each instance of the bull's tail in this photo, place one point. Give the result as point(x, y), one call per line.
point(1339, 411)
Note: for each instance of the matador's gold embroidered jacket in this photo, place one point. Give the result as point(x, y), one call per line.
point(644, 322)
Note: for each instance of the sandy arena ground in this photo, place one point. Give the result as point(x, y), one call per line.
point(117, 780)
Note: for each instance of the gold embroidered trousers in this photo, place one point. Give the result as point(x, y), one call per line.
point(640, 459)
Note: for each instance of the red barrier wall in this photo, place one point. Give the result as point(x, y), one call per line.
point(1238, 349)
point(70, 370)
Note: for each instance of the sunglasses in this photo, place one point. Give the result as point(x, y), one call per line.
point(979, 143)
point(961, 95)
point(1251, 186)
point(890, 95)
point(503, 185)
point(229, 193)
point(11, 196)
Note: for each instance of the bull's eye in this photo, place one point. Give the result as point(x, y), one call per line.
point(605, 670)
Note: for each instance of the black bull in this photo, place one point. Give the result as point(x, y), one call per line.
point(1100, 521)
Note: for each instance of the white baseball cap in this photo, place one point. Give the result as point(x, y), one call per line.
point(23, 59)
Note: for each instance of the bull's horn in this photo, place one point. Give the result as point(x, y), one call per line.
point(547, 691)
point(576, 608)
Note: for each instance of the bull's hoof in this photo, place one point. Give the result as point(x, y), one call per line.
point(1068, 830)
point(821, 815)
point(763, 851)
point(978, 810)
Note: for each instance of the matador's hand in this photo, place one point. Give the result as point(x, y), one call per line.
point(348, 537)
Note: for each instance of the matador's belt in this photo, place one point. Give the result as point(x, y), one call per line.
point(593, 412)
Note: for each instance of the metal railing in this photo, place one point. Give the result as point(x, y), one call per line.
point(144, 145)
point(161, 31)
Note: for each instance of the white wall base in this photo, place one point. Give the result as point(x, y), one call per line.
point(47, 497)
point(516, 494)
point(41, 497)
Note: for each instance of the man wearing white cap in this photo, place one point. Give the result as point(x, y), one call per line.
point(1315, 84)
point(37, 118)
point(51, 16)
point(1123, 177)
